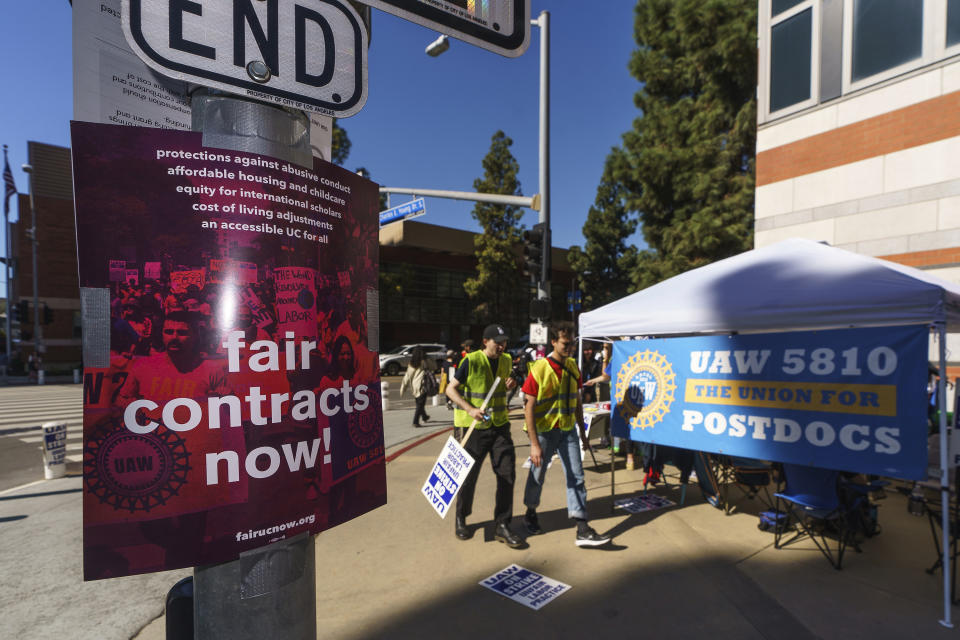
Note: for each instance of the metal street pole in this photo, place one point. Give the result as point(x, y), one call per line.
point(543, 21)
point(6, 235)
point(32, 233)
point(268, 592)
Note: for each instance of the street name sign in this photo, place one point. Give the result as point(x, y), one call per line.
point(412, 209)
point(305, 54)
point(501, 26)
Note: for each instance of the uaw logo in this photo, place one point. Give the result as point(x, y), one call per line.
point(134, 472)
point(645, 387)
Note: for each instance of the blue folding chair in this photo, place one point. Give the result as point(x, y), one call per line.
point(812, 501)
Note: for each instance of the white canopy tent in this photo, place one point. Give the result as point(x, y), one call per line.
point(793, 285)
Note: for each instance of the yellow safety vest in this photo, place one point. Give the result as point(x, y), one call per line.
point(478, 383)
point(556, 404)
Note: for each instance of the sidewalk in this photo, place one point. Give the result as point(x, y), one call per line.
point(399, 572)
point(686, 571)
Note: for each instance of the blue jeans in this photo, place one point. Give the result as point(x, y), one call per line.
point(567, 445)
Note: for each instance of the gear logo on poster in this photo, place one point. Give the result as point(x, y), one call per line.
point(134, 472)
point(645, 389)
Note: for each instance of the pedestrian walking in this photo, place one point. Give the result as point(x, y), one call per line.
point(419, 378)
point(553, 411)
point(472, 381)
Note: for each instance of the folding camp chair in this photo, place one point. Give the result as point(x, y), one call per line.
point(812, 501)
point(740, 479)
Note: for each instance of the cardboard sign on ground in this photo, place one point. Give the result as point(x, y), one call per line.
point(524, 586)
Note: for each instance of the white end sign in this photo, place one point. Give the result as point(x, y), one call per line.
point(305, 54)
point(447, 476)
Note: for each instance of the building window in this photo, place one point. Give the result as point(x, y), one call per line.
point(953, 22)
point(813, 51)
point(886, 34)
point(790, 54)
point(779, 6)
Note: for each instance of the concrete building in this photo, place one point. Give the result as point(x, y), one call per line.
point(858, 140)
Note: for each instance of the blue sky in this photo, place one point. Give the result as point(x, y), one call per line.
point(427, 122)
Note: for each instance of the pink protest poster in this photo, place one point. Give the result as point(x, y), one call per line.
point(230, 408)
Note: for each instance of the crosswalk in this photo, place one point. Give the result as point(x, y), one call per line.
point(24, 409)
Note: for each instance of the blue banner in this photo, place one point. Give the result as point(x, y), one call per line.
point(849, 399)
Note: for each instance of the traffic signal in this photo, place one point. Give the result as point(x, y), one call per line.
point(47, 314)
point(20, 311)
point(533, 250)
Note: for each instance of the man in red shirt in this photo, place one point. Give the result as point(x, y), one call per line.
point(553, 412)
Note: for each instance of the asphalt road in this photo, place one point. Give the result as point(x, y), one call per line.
point(23, 409)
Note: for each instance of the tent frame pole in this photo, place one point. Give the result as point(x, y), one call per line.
point(944, 477)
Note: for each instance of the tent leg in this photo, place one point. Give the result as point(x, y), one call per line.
point(944, 479)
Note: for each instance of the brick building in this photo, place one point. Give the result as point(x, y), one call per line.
point(58, 286)
point(422, 271)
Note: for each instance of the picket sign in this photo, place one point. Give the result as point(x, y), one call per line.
point(451, 468)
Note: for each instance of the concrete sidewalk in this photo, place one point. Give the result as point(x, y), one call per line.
point(399, 572)
point(685, 571)
point(42, 593)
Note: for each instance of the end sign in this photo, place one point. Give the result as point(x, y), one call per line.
point(305, 54)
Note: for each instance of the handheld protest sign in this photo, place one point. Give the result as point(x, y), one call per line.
point(448, 474)
point(451, 468)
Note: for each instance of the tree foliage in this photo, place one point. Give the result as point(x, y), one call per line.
point(605, 263)
point(689, 164)
point(340, 144)
point(495, 283)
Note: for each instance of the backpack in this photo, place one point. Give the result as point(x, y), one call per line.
point(430, 386)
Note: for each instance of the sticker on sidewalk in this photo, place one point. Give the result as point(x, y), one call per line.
point(639, 504)
point(448, 474)
point(524, 586)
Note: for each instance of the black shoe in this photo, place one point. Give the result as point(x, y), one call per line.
point(509, 538)
point(590, 538)
point(426, 418)
point(417, 425)
point(532, 523)
point(460, 529)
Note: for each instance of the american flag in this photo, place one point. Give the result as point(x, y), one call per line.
point(9, 188)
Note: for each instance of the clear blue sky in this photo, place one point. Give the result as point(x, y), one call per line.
point(427, 122)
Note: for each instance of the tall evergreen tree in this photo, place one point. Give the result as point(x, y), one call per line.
point(339, 145)
point(690, 169)
point(495, 284)
point(605, 264)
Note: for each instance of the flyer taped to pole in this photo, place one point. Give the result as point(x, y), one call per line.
point(451, 468)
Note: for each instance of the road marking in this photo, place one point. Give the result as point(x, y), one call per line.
point(23, 486)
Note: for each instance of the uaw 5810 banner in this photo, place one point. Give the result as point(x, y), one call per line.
point(235, 400)
point(850, 399)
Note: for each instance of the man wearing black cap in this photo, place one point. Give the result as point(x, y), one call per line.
point(471, 383)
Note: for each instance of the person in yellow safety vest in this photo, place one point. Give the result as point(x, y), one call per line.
point(468, 388)
point(552, 411)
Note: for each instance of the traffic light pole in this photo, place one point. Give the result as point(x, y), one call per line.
point(6, 270)
point(543, 21)
point(37, 336)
